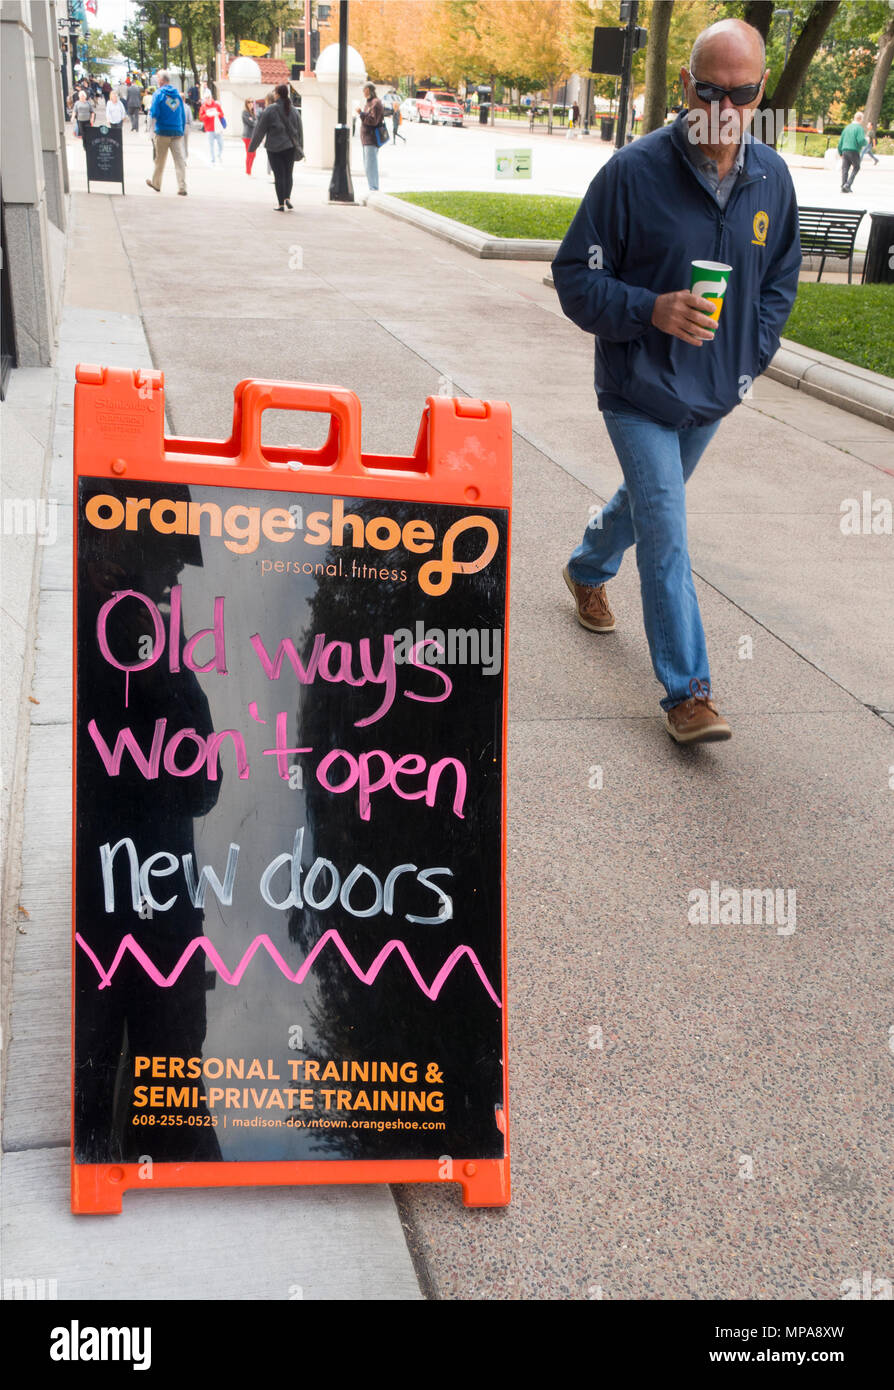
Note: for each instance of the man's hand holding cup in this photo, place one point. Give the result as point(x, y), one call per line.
point(682, 313)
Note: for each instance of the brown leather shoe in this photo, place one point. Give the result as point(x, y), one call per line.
point(593, 611)
point(697, 720)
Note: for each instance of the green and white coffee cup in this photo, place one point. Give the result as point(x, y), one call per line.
point(709, 281)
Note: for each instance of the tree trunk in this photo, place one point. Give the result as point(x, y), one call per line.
point(800, 58)
point(759, 14)
point(656, 66)
point(549, 114)
point(873, 107)
point(192, 59)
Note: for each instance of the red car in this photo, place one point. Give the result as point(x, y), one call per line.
point(440, 108)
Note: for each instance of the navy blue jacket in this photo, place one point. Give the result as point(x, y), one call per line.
point(652, 214)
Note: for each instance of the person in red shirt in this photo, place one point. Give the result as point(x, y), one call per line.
point(214, 123)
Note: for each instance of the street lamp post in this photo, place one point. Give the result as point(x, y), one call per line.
point(73, 25)
point(341, 189)
point(788, 32)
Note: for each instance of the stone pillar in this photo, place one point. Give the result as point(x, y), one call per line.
point(47, 62)
point(35, 247)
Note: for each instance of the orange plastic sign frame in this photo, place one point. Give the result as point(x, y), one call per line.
point(462, 457)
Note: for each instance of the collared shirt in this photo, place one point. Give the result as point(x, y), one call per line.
point(707, 167)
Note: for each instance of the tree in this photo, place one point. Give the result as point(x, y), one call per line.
point(200, 22)
point(531, 37)
point(101, 44)
point(656, 65)
point(808, 41)
point(873, 107)
point(759, 14)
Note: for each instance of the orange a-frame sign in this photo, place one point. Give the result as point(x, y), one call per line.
point(290, 798)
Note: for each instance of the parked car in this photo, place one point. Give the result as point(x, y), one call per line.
point(409, 110)
point(440, 108)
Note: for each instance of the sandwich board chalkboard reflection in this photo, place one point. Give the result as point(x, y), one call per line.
point(289, 909)
point(104, 151)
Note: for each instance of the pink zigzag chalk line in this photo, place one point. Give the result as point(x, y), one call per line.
point(128, 943)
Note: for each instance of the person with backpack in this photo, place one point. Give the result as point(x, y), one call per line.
point(373, 134)
point(279, 128)
point(396, 119)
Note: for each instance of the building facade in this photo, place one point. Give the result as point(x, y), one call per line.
point(33, 181)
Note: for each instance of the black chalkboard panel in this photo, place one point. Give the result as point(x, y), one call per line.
point(104, 149)
point(289, 828)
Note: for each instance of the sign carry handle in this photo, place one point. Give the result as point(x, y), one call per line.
point(258, 396)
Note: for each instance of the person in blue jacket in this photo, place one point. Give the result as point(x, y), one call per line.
point(701, 188)
point(167, 121)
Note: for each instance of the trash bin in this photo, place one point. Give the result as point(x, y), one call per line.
point(483, 113)
point(607, 128)
point(878, 267)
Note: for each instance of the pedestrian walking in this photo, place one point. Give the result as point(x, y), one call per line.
point(114, 110)
point(249, 121)
point(279, 128)
point(83, 111)
point(167, 118)
point(372, 128)
point(134, 103)
point(193, 97)
point(869, 147)
point(850, 147)
point(397, 119)
point(666, 374)
point(106, 89)
point(214, 123)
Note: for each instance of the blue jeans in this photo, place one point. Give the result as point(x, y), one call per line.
point(215, 139)
point(371, 165)
point(649, 510)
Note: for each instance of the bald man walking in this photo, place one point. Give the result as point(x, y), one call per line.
point(699, 189)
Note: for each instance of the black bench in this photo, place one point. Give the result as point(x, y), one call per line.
point(829, 232)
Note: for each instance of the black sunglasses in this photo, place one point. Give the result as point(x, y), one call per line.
point(739, 96)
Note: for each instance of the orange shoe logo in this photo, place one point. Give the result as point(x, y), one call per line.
point(436, 576)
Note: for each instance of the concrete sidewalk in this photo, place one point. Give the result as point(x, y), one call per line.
point(697, 1111)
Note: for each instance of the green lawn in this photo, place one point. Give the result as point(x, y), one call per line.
point(849, 321)
point(502, 214)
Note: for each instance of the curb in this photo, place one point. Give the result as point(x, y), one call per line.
point(851, 388)
point(480, 244)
